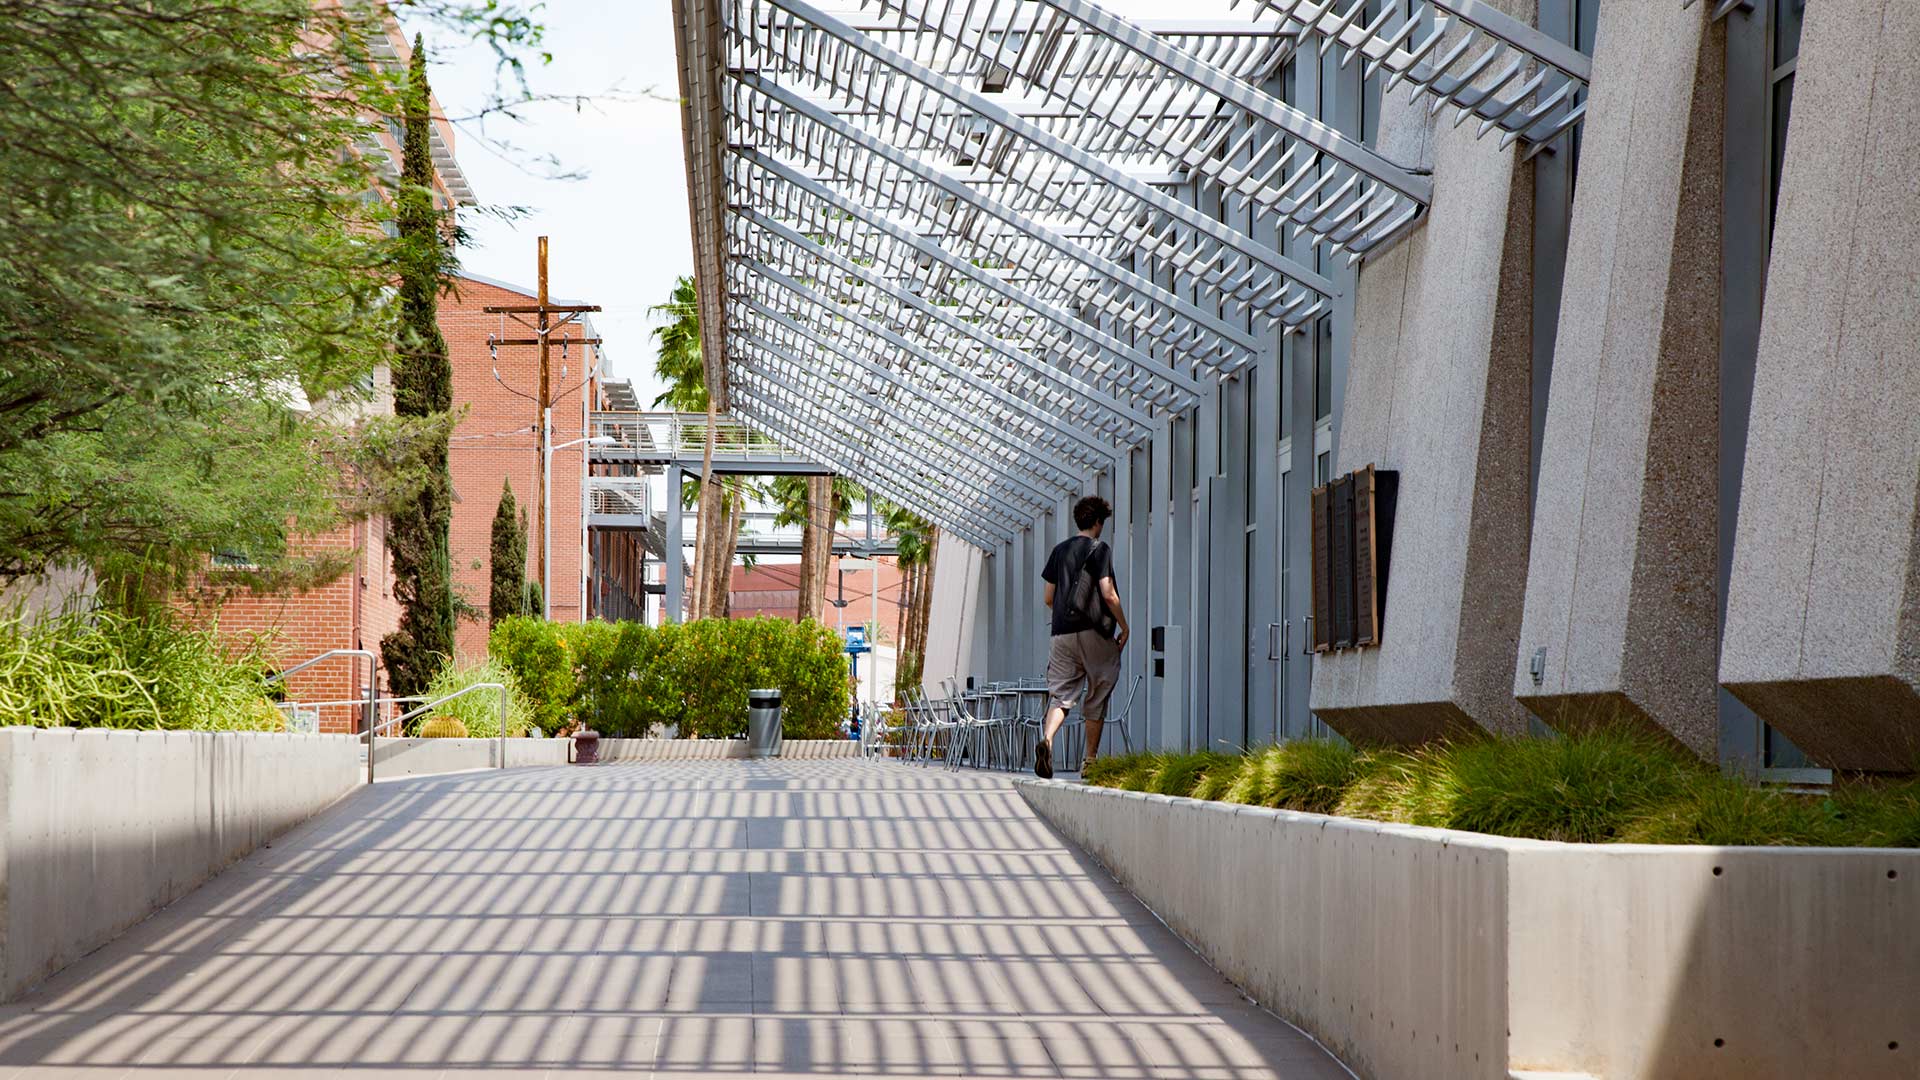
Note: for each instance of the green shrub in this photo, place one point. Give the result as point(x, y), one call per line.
point(1391, 785)
point(1585, 788)
point(601, 679)
point(478, 713)
point(1180, 774)
point(1112, 771)
point(627, 679)
point(542, 667)
point(719, 660)
point(1726, 811)
point(103, 669)
point(1886, 812)
point(1214, 781)
point(1608, 783)
point(1304, 774)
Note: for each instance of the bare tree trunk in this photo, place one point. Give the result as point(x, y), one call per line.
point(921, 613)
point(727, 545)
point(706, 532)
point(816, 550)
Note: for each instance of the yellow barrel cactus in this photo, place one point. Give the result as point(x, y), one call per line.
point(443, 727)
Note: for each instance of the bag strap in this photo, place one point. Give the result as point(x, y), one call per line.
point(1093, 548)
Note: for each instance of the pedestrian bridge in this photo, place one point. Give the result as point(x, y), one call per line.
point(806, 918)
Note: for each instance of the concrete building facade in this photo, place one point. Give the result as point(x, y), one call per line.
point(1643, 374)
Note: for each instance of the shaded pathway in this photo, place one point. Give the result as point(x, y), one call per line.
point(679, 920)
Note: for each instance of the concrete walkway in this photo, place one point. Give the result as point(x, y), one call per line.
point(673, 920)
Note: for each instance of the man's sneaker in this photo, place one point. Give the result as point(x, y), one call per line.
point(1043, 761)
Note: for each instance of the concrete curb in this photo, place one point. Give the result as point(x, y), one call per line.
point(624, 750)
point(1425, 954)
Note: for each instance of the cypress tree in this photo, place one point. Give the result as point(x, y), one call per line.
point(508, 591)
point(418, 535)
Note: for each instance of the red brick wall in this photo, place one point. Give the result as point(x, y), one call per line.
point(496, 438)
point(351, 612)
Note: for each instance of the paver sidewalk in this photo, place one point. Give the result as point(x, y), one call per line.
point(676, 920)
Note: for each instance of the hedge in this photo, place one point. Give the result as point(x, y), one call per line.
point(626, 679)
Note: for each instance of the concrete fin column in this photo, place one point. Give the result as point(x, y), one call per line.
point(1438, 387)
point(1823, 609)
point(1622, 611)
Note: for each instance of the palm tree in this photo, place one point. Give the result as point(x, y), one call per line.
point(918, 542)
point(678, 360)
point(679, 363)
point(818, 503)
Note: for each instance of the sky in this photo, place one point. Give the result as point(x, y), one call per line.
point(618, 236)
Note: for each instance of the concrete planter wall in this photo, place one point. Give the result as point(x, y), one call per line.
point(616, 750)
point(1421, 954)
point(423, 757)
point(98, 829)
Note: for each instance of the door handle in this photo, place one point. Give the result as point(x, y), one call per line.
point(1306, 636)
point(1277, 649)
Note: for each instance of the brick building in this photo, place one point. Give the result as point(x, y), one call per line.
point(497, 441)
point(774, 589)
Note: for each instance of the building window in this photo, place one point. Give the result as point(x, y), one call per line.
point(1370, 85)
point(1323, 367)
point(233, 559)
point(1787, 15)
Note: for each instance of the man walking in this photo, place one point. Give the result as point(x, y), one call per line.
point(1089, 629)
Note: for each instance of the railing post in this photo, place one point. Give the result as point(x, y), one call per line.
point(372, 712)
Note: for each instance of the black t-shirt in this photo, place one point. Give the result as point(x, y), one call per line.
point(1063, 566)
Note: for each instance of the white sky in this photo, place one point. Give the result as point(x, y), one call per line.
point(618, 237)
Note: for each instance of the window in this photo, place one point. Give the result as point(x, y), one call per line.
point(1586, 27)
point(1787, 16)
point(1323, 367)
point(1370, 85)
point(233, 559)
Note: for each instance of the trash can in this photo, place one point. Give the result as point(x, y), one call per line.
point(763, 723)
point(586, 747)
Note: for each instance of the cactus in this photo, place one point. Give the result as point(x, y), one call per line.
point(443, 727)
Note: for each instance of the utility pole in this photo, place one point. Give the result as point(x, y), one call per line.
point(543, 327)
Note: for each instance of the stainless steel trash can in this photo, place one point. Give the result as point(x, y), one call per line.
point(763, 723)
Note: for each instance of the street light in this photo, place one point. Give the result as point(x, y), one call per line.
point(546, 523)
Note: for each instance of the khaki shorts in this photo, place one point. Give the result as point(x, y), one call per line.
point(1087, 658)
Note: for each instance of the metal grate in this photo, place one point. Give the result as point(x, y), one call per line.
point(937, 243)
point(1494, 69)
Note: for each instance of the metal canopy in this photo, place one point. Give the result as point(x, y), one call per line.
point(1500, 71)
point(938, 243)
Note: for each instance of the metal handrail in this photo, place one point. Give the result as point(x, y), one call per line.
point(373, 729)
point(500, 688)
point(328, 655)
point(368, 706)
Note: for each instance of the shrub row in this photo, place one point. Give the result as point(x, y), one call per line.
point(627, 679)
point(1600, 786)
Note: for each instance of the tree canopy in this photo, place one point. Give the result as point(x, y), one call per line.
point(194, 274)
point(677, 350)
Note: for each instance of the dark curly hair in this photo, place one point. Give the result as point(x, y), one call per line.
point(1091, 511)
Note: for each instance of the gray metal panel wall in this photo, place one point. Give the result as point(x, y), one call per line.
point(1744, 247)
point(1160, 547)
point(1180, 554)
